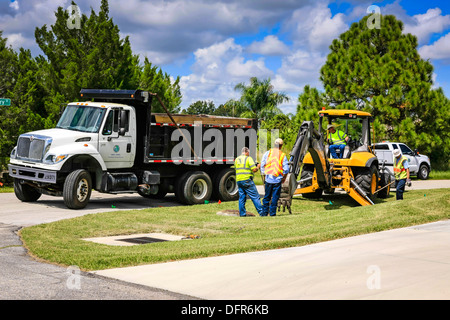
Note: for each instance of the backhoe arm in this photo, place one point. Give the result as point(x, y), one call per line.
point(308, 140)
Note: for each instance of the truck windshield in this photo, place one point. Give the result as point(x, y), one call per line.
point(81, 118)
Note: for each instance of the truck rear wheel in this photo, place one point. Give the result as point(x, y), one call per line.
point(77, 189)
point(25, 192)
point(194, 187)
point(225, 186)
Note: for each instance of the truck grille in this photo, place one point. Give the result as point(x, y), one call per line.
point(30, 147)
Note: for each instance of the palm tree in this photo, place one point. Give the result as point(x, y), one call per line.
point(260, 100)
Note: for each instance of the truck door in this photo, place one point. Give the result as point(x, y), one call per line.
point(117, 139)
point(412, 161)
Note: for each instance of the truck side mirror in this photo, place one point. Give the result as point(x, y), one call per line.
point(416, 152)
point(123, 122)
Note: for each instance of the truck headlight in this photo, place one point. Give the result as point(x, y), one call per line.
point(60, 158)
point(52, 159)
point(13, 153)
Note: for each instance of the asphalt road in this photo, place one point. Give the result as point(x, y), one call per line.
point(23, 277)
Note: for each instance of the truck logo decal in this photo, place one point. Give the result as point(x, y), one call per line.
point(116, 148)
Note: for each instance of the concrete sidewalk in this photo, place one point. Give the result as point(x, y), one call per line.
point(407, 263)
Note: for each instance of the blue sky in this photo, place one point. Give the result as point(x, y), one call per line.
point(213, 45)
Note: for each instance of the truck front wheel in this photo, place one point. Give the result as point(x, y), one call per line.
point(25, 192)
point(77, 189)
point(424, 172)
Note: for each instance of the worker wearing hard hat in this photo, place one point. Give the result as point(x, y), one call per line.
point(275, 166)
point(337, 139)
point(245, 166)
point(401, 172)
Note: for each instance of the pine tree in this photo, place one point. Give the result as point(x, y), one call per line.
point(201, 107)
point(153, 79)
point(92, 56)
point(381, 71)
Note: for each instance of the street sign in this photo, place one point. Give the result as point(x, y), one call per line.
point(5, 102)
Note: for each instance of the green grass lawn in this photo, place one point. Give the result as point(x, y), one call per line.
point(439, 175)
point(311, 221)
point(5, 189)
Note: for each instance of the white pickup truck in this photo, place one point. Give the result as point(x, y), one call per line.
point(419, 164)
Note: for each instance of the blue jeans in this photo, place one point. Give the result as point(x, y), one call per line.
point(400, 188)
point(272, 193)
point(333, 148)
point(248, 188)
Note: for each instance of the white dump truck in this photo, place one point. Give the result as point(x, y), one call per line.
point(113, 143)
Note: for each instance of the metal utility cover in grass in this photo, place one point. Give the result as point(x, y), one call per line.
point(136, 239)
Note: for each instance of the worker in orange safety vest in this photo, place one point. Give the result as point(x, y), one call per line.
point(274, 166)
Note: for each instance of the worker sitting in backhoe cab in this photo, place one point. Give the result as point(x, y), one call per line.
point(337, 139)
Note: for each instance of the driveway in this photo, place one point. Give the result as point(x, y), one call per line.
point(25, 278)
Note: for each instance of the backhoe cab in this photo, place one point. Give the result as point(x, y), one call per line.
point(314, 171)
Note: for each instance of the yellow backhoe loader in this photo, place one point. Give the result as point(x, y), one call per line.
point(313, 171)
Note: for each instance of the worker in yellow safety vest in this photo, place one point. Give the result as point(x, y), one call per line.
point(337, 139)
point(274, 166)
point(401, 173)
point(245, 167)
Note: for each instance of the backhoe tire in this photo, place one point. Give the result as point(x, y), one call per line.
point(367, 179)
point(77, 189)
point(385, 179)
point(308, 171)
point(25, 193)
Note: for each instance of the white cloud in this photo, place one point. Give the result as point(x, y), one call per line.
point(14, 5)
point(314, 27)
point(301, 68)
point(270, 46)
point(217, 69)
point(18, 24)
point(424, 25)
point(17, 40)
point(169, 30)
point(439, 50)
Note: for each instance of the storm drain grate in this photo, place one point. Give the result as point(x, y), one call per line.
point(142, 240)
point(137, 239)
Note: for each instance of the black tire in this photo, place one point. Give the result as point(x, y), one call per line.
point(367, 179)
point(424, 172)
point(225, 186)
point(307, 172)
point(194, 187)
point(385, 179)
point(77, 189)
point(25, 193)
